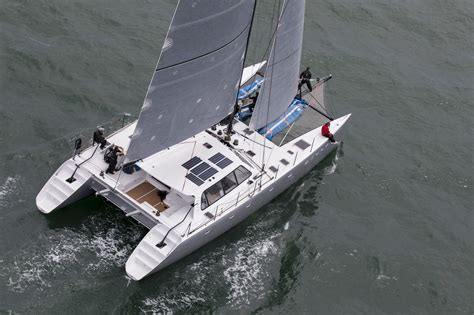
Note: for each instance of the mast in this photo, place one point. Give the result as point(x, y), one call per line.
point(198, 74)
point(281, 80)
point(236, 106)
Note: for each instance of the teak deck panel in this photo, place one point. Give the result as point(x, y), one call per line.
point(147, 192)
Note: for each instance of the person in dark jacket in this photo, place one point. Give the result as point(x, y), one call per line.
point(111, 158)
point(326, 133)
point(99, 137)
point(305, 78)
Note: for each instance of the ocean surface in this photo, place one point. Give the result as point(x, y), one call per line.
point(384, 225)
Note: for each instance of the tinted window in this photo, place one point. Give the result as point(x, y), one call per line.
point(214, 193)
point(229, 182)
point(242, 174)
point(224, 186)
point(204, 203)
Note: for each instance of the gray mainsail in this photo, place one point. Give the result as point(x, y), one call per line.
point(198, 74)
point(281, 77)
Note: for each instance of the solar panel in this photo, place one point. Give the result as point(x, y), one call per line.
point(207, 173)
point(216, 158)
point(225, 162)
point(191, 163)
point(194, 179)
point(200, 168)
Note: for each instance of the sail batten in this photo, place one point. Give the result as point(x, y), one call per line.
point(197, 77)
point(281, 76)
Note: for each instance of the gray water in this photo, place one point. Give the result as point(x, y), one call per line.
point(385, 225)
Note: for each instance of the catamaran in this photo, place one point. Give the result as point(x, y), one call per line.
point(197, 161)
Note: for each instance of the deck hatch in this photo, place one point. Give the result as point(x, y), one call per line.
point(273, 169)
point(302, 144)
point(191, 163)
point(284, 162)
point(194, 179)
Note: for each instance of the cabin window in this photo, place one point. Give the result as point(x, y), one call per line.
point(214, 193)
point(229, 182)
point(204, 203)
point(224, 186)
point(241, 173)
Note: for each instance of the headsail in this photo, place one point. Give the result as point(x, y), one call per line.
point(316, 100)
point(198, 74)
point(281, 76)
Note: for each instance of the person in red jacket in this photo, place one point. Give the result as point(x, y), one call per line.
point(326, 133)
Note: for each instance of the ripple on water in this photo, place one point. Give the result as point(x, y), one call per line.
point(8, 189)
point(67, 251)
point(239, 273)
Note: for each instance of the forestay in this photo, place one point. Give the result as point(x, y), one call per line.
point(197, 78)
point(316, 100)
point(281, 76)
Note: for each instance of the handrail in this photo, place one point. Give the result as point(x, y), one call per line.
point(250, 191)
point(162, 243)
point(72, 179)
point(187, 230)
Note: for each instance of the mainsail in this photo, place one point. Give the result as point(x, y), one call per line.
point(198, 74)
point(281, 76)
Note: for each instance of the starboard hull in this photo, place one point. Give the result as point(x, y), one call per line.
point(244, 208)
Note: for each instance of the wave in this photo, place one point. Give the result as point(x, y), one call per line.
point(67, 251)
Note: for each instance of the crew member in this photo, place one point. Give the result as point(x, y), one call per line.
point(326, 133)
point(253, 98)
point(99, 137)
point(111, 158)
point(305, 76)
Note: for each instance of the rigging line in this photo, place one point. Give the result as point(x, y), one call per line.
point(275, 11)
point(68, 136)
point(286, 134)
point(317, 110)
point(314, 98)
point(285, 4)
point(274, 31)
point(236, 109)
point(254, 141)
point(118, 178)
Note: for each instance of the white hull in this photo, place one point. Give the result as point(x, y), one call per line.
point(196, 229)
point(244, 208)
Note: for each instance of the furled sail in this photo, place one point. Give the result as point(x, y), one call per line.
point(281, 77)
point(197, 78)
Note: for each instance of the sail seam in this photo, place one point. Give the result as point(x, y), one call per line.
point(208, 53)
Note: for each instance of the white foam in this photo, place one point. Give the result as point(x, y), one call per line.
point(330, 169)
point(247, 270)
point(163, 304)
point(7, 189)
point(64, 252)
